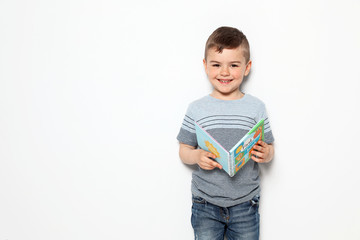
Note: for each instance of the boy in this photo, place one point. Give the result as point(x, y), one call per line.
point(225, 206)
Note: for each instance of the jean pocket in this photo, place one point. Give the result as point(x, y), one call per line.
point(196, 199)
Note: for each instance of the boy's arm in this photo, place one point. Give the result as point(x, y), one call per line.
point(264, 152)
point(190, 155)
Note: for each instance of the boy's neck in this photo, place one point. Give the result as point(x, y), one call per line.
point(233, 96)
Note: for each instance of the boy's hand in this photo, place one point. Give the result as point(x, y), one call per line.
point(204, 160)
point(190, 155)
point(264, 153)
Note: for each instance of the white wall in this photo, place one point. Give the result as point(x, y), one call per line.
point(92, 96)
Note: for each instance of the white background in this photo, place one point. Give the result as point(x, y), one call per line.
point(92, 96)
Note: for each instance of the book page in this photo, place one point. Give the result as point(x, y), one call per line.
point(242, 150)
point(208, 143)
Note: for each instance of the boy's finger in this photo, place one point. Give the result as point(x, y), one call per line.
point(208, 166)
point(211, 155)
point(216, 164)
point(257, 147)
point(262, 143)
point(259, 160)
point(213, 163)
point(257, 154)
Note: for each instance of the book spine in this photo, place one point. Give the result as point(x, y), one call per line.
point(232, 164)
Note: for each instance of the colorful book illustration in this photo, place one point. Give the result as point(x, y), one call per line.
point(239, 155)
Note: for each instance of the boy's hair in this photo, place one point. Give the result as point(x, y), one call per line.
point(228, 38)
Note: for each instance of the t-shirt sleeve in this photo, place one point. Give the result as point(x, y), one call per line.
point(187, 133)
point(268, 135)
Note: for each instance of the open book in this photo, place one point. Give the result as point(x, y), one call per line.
point(239, 155)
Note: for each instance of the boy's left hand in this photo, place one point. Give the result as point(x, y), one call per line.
point(264, 153)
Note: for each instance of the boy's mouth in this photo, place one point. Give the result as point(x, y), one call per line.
point(224, 81)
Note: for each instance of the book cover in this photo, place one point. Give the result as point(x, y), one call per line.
point(239, 155)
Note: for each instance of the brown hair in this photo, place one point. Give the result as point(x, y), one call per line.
point(228, 38)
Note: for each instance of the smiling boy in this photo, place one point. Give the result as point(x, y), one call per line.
point(225, 206)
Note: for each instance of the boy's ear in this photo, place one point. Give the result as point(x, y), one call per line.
point(248, 67)
point(205, 66)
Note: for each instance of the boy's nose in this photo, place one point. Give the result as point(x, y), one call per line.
point(224, 71)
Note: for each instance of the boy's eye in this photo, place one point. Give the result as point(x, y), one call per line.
point(234, 65)
point(216, 65)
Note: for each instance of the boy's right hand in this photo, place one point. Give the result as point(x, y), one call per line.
point(205, 160)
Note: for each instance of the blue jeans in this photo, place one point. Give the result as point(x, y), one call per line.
point(211, 222)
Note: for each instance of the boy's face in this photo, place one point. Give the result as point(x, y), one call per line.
point(226, 71)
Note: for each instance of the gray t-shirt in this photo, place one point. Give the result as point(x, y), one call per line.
point(227, 121)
